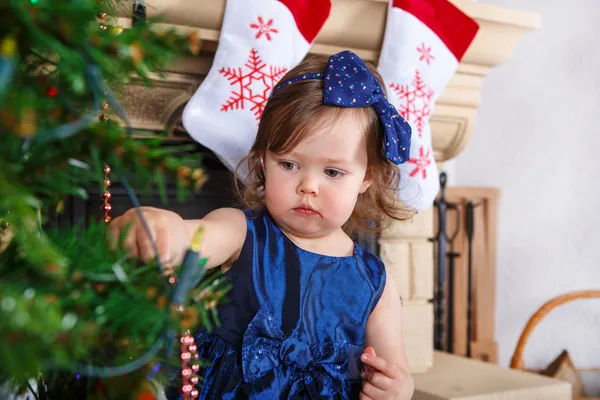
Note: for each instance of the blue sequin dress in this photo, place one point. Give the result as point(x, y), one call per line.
point(295, 324)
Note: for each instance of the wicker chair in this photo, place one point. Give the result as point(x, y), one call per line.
point(517, 361)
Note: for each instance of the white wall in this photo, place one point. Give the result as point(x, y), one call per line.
point(537, 137)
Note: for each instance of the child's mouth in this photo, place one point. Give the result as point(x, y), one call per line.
point(306, 212)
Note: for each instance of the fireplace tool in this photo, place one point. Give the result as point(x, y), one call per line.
point(452, 255)
point(470, 227)
point(442, 240)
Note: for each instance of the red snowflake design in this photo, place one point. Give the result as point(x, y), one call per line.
point(421, 163)
point(425, 53)
point(415, 101)
point(253, 83)
point(264, 28)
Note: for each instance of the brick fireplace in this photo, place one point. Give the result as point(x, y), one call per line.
point(405, 247)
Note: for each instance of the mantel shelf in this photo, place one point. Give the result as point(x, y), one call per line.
point(359, 25)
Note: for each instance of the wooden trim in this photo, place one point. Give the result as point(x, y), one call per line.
point(483, 346)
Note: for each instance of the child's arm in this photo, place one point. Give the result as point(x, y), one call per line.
point(386, 374)
point(224, 234)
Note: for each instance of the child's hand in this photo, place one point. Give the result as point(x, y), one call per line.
point(167, 228)
point(381, 380)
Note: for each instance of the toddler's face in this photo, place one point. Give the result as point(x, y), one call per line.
point(311, 191)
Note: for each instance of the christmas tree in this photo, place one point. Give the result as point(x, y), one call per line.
point(79, 319)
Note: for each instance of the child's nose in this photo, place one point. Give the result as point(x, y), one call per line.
point(308, 186)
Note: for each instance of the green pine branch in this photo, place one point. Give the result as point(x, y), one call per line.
point(69, 303)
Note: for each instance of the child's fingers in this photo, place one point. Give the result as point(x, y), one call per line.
point(145, 247)
point(381, 365)
point(363, 396)
point(113, 231)
point(137, 241)
point(163, 244)
point(130, 243)
point(372, 391)
point(379, 380)
point(144, 244)
point(370, 351)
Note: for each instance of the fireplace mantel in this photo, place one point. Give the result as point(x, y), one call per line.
point(359, 25)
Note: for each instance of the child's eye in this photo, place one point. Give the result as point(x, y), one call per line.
point(333, 173)
point(287, 165)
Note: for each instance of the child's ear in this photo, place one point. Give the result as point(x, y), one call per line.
point(367, 181)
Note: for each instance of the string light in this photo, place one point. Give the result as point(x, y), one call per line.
point(106, 207)
point(189, 377)
point(189, 351)
point(106, 195)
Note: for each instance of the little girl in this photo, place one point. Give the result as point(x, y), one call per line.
point(311, 314)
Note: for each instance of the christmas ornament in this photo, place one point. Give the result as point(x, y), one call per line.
point(194, 42)
point(424, 42)
point(102, 16)
point(8, 53)
point(6, 234)
point(27, 123)
point(51, 91)
point(260, 41)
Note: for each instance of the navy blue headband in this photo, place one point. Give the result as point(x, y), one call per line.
point(349, 83)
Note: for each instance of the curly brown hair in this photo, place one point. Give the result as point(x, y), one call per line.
point(291, 115)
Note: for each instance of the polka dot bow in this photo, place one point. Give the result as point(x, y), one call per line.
point(349, 83)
